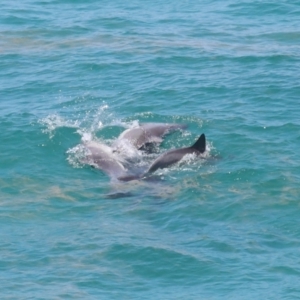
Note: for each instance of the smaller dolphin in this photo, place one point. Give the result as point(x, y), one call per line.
point(102, 157)
point(173, 156)
point(147, 133)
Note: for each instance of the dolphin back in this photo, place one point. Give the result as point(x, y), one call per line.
point(200, 144)
point(173, 156)
point(149, 133)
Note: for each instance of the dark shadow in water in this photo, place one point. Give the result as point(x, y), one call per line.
point(119, 195)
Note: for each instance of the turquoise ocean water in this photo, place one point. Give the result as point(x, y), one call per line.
point(227, 227)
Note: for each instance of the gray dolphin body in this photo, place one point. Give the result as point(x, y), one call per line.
point(173, 156)
point(148, 133)
point(102, 157)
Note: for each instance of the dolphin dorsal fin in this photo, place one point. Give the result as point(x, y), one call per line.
point(200, 144)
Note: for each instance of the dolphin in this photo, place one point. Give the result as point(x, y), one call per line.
point(173, 156)
point(147, 133)
point(102, 157)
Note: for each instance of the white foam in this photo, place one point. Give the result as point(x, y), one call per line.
point(77, 156)
point(85, 136)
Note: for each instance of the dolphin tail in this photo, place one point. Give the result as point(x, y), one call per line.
point(200, 144)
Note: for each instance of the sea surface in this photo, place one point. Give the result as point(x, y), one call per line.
point(223, 227)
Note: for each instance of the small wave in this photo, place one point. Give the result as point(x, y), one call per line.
point(52, 122)
point(92, 121)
